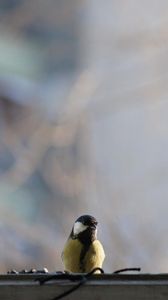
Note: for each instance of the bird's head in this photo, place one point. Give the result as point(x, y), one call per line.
point(85, 229)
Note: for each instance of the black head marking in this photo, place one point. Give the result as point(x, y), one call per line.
point(87, 220)
point(87, 236)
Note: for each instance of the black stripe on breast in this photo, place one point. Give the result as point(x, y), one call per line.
point(86, 238)
point(82, 257)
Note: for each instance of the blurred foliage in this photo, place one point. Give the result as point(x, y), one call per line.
point(40, 36)
point(83, 129)
point(40, 164)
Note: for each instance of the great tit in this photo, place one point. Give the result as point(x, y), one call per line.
point(83, 252)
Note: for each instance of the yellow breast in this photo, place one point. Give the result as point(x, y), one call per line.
point(71, 256)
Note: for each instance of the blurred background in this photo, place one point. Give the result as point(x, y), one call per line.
point(83, 129)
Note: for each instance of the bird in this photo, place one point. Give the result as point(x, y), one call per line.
point(83, 251)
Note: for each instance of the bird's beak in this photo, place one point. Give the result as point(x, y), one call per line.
point(94, 226)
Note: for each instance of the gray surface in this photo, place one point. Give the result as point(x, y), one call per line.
point(98, 287)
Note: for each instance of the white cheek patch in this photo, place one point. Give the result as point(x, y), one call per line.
point(79, 227)
point(96, 233)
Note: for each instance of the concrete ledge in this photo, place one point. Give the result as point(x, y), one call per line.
point(104, 286)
